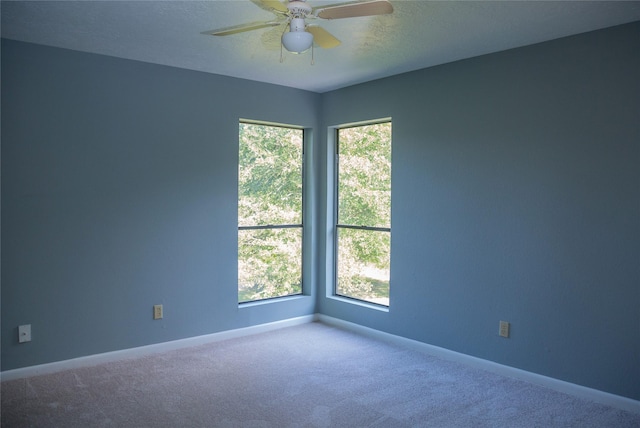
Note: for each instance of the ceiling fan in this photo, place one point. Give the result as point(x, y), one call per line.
point(293, 14)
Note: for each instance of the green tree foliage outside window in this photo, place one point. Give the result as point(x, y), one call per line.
point(364, 212)
point(269, 211)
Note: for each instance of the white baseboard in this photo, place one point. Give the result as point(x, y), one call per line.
point(595, 395)
point(92, 360)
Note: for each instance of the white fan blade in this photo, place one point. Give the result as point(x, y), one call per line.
point(242, 28)
point(322, 37)
point(354, 9)
point(272, 6)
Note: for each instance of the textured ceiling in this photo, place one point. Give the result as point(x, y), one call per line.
point(418, 34)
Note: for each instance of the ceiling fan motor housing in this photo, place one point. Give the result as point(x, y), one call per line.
point(297, 24)
point(299, 9)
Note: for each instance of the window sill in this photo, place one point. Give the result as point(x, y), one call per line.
point(360, 303)
point(272, 301)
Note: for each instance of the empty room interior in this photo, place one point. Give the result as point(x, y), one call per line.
point(514, 189)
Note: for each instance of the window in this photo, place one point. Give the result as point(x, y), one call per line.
point(269, 211)
point(363, 218)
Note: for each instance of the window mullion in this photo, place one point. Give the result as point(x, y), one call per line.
point(375, 228)
point(271, 226)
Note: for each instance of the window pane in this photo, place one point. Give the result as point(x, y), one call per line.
point(269, 263)
point(363, 265)
point(364, 200)
point(364, 182)
point(269, 175)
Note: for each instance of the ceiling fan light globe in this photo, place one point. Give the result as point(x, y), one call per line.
point(297, 41)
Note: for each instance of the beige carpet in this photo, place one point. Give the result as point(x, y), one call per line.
point(310, 375)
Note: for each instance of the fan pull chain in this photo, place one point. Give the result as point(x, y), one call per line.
point(312, 60)
point(282, 44)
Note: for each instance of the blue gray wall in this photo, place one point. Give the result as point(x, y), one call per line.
point(516, 196)
point(119, 191)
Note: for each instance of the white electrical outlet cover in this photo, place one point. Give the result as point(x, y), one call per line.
point(504, 329)
point(24, 333)
point(157, 312)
